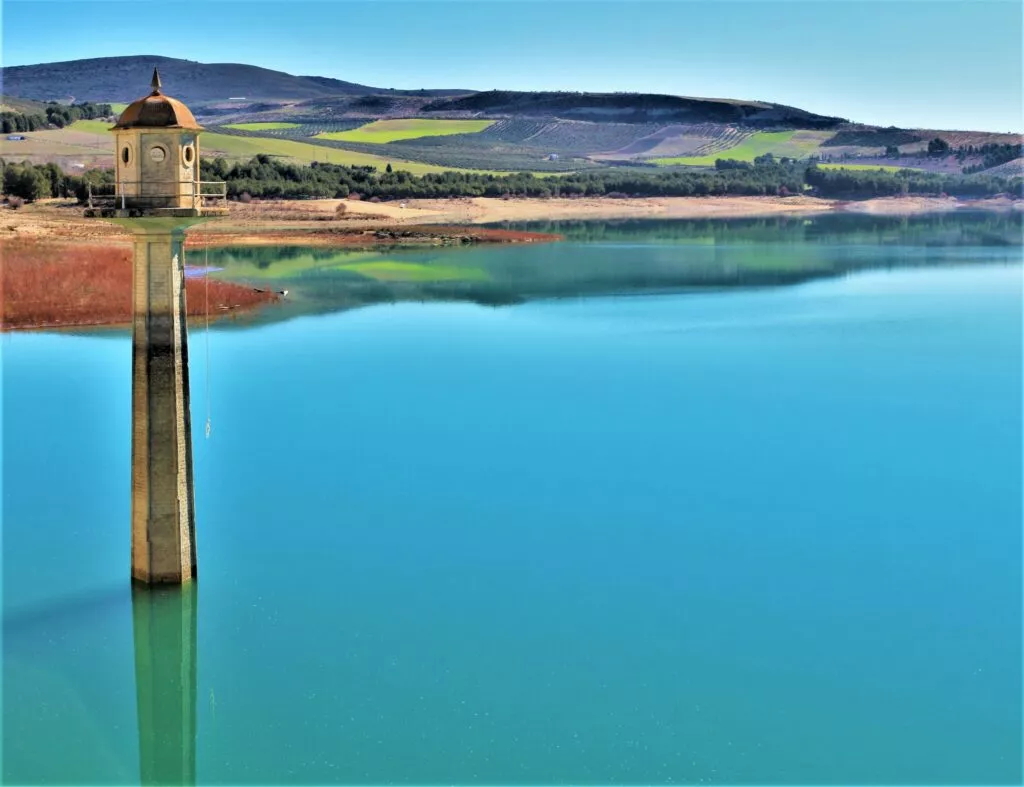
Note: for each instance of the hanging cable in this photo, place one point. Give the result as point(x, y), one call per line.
point(206, 276)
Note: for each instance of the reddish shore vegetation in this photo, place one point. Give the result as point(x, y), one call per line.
point(46, 285)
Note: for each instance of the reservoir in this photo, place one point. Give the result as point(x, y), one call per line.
point(666, 502)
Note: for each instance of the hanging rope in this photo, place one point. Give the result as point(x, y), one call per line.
point(206, 277)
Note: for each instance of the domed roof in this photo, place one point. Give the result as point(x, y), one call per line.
point(157, 111)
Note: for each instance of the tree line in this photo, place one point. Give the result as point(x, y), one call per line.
point(266, 177)
point(55, 115)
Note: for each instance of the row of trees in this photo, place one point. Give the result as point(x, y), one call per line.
point(265, 177)
point(882, 183)
point(41, 181)
point(992, 155)
point(55, 115)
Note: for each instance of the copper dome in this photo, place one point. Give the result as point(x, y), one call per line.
point(157, 111)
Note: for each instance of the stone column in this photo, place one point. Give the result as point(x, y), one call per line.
point(164, 628)
point(163, 512)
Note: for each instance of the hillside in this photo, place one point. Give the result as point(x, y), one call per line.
point(126, 78)
point(632, 108)
point(248, 110)
point(120, 79)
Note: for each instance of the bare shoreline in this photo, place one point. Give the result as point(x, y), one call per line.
point(367, 223)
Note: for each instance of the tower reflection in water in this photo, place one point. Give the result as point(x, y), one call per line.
point(164, 630)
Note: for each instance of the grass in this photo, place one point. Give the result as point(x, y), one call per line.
point(261, 126)
point(864, 167)
point(118, 107)
point(382, 131)
point(795, 144)
point(94, 127)
point(392, 270)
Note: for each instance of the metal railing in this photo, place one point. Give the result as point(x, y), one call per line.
point(157, 193)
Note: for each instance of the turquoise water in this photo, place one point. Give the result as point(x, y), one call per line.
point(751, 535)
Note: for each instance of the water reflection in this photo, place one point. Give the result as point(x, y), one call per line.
point(630, 256)
point(71, 717)
point(164, 632)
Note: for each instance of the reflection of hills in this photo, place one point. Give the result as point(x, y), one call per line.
point(619, 257)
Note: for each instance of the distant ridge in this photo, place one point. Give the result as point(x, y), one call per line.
point(127, 78)
point(632, 108)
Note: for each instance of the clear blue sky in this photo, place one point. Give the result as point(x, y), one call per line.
point(951, 64)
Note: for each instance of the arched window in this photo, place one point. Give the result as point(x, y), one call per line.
point(126, 154)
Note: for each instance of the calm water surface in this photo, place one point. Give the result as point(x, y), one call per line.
point(766, 535)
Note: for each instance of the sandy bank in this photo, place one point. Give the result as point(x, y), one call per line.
point(427, 222)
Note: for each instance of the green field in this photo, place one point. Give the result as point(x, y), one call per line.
point(795, 144)
point(382, 131)
point(864, 167)
point(94, 127)
point(233, 147)
point(306, 152)
point(118, 107)
point(261, 126)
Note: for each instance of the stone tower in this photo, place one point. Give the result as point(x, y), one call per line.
point(157, 194)
point(157, 164)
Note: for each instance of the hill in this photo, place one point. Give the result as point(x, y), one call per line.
point(248, 110)
point(126, 78)
point(632, 108)
point(118, 79)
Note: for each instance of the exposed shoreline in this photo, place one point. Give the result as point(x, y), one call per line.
point(433, 222)
point(62, 270)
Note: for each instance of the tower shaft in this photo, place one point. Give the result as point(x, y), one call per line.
point(163, 511)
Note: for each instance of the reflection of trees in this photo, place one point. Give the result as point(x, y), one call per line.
point(646, 255)
point(981, 228)
point(164, 627)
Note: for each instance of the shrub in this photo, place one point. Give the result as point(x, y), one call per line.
point(245, 197)
point(15, 202)
point(340, 210)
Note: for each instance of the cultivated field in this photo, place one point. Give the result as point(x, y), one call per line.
point(384, 131)
point(261, 126)
point(679, 140)
point(794, 144)
point(231, 146)
point(88, 143)
point(73, 148)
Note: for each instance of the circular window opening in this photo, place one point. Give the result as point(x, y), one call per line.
point(126, 154)
point(158, 154)
point(188, 155)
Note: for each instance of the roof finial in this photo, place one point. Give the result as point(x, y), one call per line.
point(155, 84)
